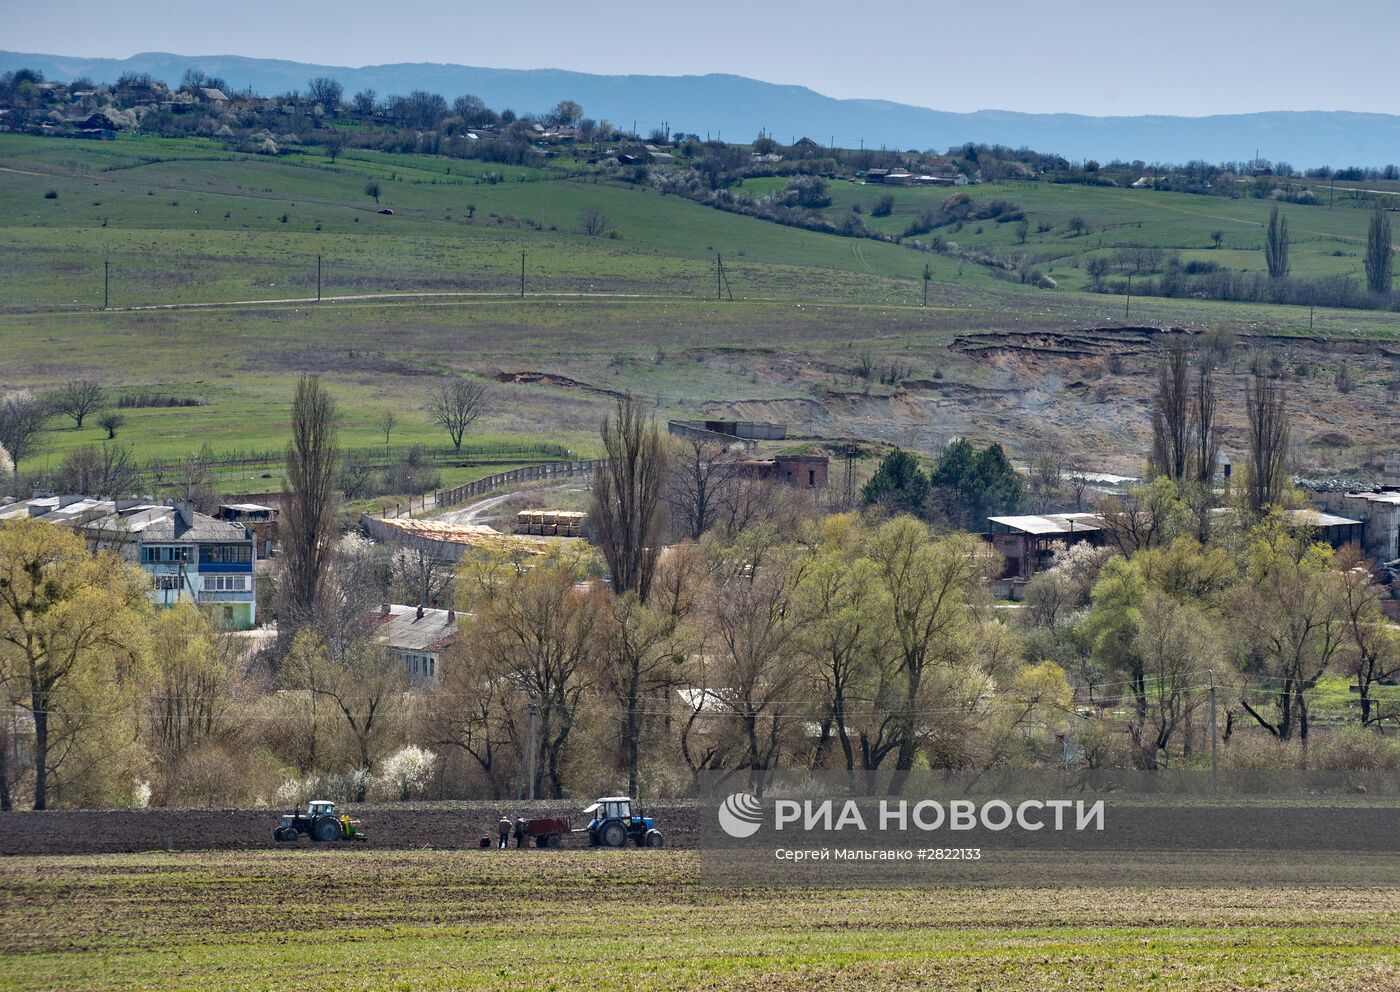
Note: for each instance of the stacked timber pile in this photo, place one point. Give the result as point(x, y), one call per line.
point(549, 523)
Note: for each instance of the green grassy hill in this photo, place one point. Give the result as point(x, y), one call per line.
point(185, 222)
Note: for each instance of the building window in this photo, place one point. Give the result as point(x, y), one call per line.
point(225, 554)
point(153, 554)
point(225, 583)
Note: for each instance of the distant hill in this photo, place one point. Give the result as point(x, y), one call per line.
point(735, 108)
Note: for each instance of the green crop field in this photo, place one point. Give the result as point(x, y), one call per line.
point(643, 920)
point(433, 289)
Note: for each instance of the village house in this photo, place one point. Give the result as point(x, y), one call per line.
point(417, 636)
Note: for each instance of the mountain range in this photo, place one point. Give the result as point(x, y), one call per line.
point(737, 108)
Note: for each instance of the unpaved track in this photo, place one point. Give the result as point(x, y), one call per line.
point(399, 826)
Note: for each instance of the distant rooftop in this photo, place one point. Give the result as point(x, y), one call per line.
point(404, 630)
point(1053, 523)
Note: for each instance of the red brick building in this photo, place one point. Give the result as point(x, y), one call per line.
point(801, 471)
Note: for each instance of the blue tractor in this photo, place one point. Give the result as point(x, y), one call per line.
point(613, 824)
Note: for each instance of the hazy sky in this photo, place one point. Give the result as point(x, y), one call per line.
point(1086, 56)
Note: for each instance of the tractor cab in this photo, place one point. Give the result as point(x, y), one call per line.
point(610, 808)
point(613, 824)
point(318, 808)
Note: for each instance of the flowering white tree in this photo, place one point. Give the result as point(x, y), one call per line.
point(406, 771)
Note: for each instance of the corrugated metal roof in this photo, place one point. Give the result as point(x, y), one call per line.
point(1385, 497)
point(1058, 523)
point(1316, 518)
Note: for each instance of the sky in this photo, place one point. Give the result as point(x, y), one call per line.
point(1100, 57)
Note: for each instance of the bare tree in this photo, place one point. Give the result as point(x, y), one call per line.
point(308, 522)
point(698, 477)
point(334, 143)
point(372, 189)
point(417, 576)
point(194, 482)
point(76, 398)
point(107, 470)
point(22, 418)
point(1372, 652)
point(365, 102)
point(1276, 245)
point(748, 613)
point(325, 91)
point(111, 422)
point(454, 406)
point(627, 512)
point(640, 661)
point(363, 682)
point(357, 475)
point(472, 713)
point(1046, 476)
point(1171, 416)
point(536, 632)
point(1205, 430)
point(1378, 252)
point(1267, 471)
point(387, 422)
point(593, 222)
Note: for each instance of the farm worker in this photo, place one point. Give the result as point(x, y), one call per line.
point(520, 832)
point(504, 828)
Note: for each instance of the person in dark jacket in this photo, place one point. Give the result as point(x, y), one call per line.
point(504, 829)
point(520, 832)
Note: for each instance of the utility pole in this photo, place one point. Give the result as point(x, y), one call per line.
point(106, 279)
point(318, 278)
point(522, 275)
point(721, 280)
point(1214, 741)
point(1128, 303)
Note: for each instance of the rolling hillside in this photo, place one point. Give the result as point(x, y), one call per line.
point(194, 235)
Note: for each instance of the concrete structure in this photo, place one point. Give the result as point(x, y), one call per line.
point(1027, 543)
point(189, 556)
point(748, 430)
point(417, 636)
point(1377, 510)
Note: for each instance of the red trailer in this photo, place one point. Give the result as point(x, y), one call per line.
point(547, 831)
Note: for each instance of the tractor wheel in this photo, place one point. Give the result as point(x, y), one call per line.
point(279, 835)
point(614, 835)
point(326, 829)
point(655, 839)
point(554, 841)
